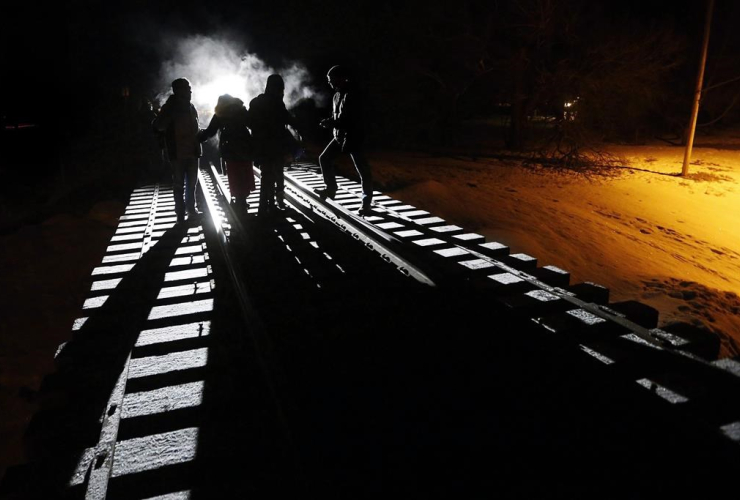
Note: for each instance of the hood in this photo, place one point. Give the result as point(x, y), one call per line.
point(228, 106)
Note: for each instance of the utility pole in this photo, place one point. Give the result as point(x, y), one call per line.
point(697, 92)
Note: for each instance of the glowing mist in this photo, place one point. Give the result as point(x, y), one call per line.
point(215, 67)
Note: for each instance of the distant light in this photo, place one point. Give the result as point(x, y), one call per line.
point(206, 96)
point(20, 126)
point(570, 113)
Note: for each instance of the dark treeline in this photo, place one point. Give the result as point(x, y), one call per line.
point(626, 67)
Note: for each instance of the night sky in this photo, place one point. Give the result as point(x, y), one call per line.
point(79, 39)
point(59, 57)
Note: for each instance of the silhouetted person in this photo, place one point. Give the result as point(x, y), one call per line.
point(230, 120)
point(147, 145)
point(178, 120)
point(268, 118)
point(347, 122)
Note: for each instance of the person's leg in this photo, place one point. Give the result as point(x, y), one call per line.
point(267, 186)
point(191, 183)
point(249, 177)
point(237, 172)
point(326, 162)
point(366, 177)
point(178, 175)
point(276, 174)
point(279, 185)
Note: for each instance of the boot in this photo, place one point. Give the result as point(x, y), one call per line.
point(280, 202)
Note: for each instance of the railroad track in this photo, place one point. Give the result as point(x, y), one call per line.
point(348, 336)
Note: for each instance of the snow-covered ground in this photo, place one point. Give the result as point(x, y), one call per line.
point(645, 232)
point(45, 271)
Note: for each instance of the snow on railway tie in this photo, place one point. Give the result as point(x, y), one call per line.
point(143, 337)
point(623, 336)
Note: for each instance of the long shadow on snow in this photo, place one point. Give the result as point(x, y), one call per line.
point(391, 387)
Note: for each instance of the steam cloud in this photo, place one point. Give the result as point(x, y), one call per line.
point(215, 67)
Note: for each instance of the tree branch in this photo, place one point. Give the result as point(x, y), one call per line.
point(720, 84)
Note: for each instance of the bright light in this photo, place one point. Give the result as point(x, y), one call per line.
point(207, 95)
point(215, 67)
point(570, 110)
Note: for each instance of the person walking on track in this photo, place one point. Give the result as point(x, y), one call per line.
point(268, 118)
point(230, 120)
point(178, 120)
point(348, 136)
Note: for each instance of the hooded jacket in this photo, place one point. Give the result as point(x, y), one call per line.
point(267, 119)
point(231, 121)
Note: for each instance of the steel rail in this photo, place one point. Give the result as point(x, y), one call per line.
point(645, 334)
point(653, 337)
point(258, 332)
point(381, 241)
point(597, 310)
point(304, 198)
point(373, 237)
